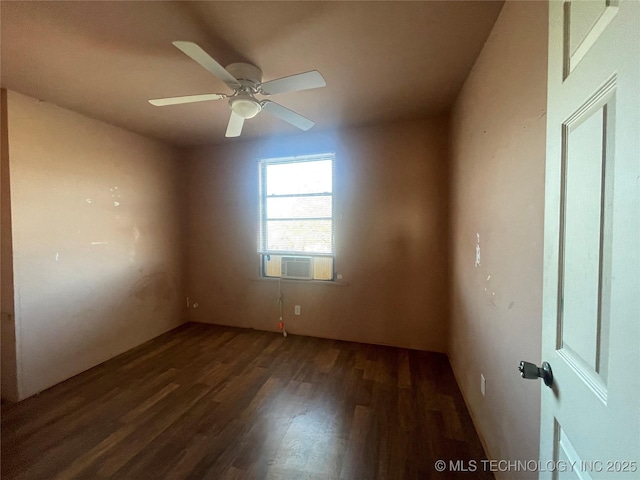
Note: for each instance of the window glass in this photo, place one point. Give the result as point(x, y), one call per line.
point(296, 231)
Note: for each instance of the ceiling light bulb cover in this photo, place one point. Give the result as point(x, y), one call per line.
point(245, 106)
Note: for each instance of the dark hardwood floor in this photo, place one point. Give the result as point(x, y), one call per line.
point(213, 402)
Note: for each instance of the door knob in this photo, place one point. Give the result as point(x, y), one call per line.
point(531, 371)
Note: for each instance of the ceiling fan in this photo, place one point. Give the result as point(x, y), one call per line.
point(246, 82)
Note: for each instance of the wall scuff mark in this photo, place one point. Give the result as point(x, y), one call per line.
point(155, 285)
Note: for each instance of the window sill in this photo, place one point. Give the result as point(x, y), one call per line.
point(328, 283)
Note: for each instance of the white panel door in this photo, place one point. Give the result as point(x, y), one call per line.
point(591, 297)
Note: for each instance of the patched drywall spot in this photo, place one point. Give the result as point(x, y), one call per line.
point(477, 250)
point(116, 196)
point(88, 200)
point(57, 256)
point(490, 294)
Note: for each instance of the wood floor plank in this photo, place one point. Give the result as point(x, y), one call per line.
point(356, 465)
point(205, 401)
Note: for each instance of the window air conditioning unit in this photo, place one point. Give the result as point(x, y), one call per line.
point(300, 268)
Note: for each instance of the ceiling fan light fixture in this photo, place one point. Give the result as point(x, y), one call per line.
point(245, 106)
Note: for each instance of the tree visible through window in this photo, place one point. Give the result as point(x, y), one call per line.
point(296, 217)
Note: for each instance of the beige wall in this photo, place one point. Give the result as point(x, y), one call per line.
point(497, 184)
point(9, 380)
point(391, 238)
point(97, 240)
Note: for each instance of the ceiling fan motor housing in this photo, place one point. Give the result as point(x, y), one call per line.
point(248, 75)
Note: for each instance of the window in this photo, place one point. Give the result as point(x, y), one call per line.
point(296, 217)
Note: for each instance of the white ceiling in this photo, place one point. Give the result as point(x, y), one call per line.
point(383, 61)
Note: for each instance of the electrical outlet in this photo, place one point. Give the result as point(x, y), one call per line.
point(297, 310)
point(483, 384)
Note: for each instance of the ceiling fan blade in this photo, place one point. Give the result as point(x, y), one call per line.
point(287, 115)
point(294, 83)
point(161, 102)
point(203, 58)
point(234, 128)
